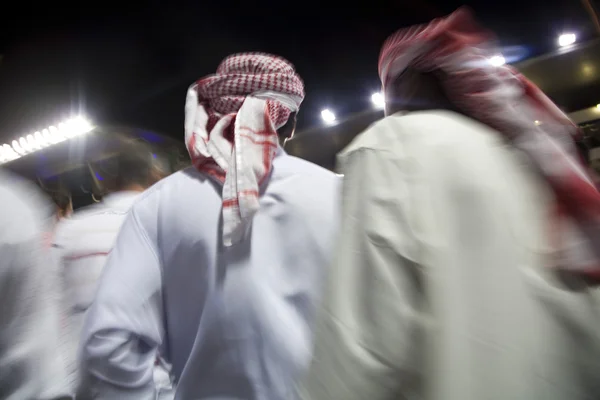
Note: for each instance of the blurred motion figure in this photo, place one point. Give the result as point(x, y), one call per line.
point(64, 204)
point(29, 318)
point(82, 243)
point(469, 242)
point(220, 264)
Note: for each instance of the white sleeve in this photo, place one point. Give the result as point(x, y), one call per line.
point(367, 333)
point(124, 326)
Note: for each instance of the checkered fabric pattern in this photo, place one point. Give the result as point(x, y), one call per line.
point(458, 50)
point(231, 122)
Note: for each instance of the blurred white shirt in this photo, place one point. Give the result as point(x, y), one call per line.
point(29, 319)
point(440, 288)
point(236, 323)
point(81, 246)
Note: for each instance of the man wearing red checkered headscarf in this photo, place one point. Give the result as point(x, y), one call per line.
point(220, 265)
point(231, 124)
point(469, 237)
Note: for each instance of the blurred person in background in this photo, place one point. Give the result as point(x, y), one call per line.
point(64, 204)
point(29, 320)
point(469, 245)
point(220, 264)
point(82, 243)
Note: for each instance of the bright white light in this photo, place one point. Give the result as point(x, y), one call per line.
point(497, 60)
point(66, 129)
point(40, 139)
point(48, 133)
point(55, 134)
point(24, 145)
point(378, 100)
point(9, 153)
point(598, 106)
point(33, 143)
point(80, 125)
point(566, 39)
point(17, 147)
point(328, 116)
point(75, 126)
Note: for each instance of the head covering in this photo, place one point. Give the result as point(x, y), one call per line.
point(231, 122)
point(458, 50)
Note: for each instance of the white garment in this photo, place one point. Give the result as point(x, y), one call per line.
point(29, 311)
point(235, 322)
point(81, 246)
point(440, 288)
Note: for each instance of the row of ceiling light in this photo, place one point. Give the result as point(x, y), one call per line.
point(330, 118)
point(79, 125)
point(47, 137)
point(378, 100)
point(564, 40)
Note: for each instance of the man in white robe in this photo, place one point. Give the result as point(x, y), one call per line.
point(220, 265)
point(443, 285)
point(81, 243)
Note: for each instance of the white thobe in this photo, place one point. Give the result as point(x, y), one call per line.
point(235, 322)
point(81, 246)
point(440, 287)
point(29, 319)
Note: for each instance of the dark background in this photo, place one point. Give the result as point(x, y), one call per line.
point(131, 62)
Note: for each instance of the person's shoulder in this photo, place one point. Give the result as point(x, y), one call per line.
point(288, 165)
point(378, 137)
point(432, 127)
point(20, 192)
point(73, 225)
point(86, 212)
point(180, 183)
point(304, 182)
point(81, 219)
point(24, 209)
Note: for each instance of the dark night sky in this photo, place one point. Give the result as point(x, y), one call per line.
point(130, 63)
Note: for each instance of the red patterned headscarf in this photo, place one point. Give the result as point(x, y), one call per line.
point(459, 50)
point(231, 122)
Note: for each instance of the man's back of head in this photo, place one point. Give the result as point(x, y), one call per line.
point(136, 167)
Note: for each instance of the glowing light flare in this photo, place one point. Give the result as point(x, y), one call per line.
point(497, 60)
point(328, 116)
point(80, 125)
point(39, 138)
point(33, 143)
point(378, 100)
point(67, 129)
point(55, 135)
point(567, 39)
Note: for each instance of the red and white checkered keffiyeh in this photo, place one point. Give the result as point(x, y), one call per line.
point(231, 122)
point(458, 50)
